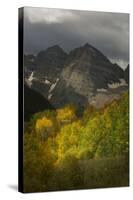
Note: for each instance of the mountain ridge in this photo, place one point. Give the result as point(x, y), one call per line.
point(74, 77)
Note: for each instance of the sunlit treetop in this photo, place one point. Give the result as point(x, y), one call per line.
point(44, 122)
point(66, 114)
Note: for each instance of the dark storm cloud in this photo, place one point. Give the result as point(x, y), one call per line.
point(108, 32)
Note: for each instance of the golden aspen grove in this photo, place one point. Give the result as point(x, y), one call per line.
point(64, 151)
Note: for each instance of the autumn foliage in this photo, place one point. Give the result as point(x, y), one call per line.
point(63, 151)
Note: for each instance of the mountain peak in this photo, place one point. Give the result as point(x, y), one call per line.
point(52, 57)
point(86, 45)
point(55, 48)
point(88, 51)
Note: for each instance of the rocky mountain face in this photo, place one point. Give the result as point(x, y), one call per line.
point(76, 77)
point(51, 61)
point(29, 62)
point(126, 74)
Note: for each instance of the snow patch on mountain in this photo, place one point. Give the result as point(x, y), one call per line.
point(53, 85)
point(30, 79)
point(47, 82)
point(116, 85)
point(49, 96)
point(101, 90)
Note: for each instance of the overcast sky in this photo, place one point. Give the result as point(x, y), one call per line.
point(108, 32)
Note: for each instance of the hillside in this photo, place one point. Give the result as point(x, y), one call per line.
point(34, 102)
